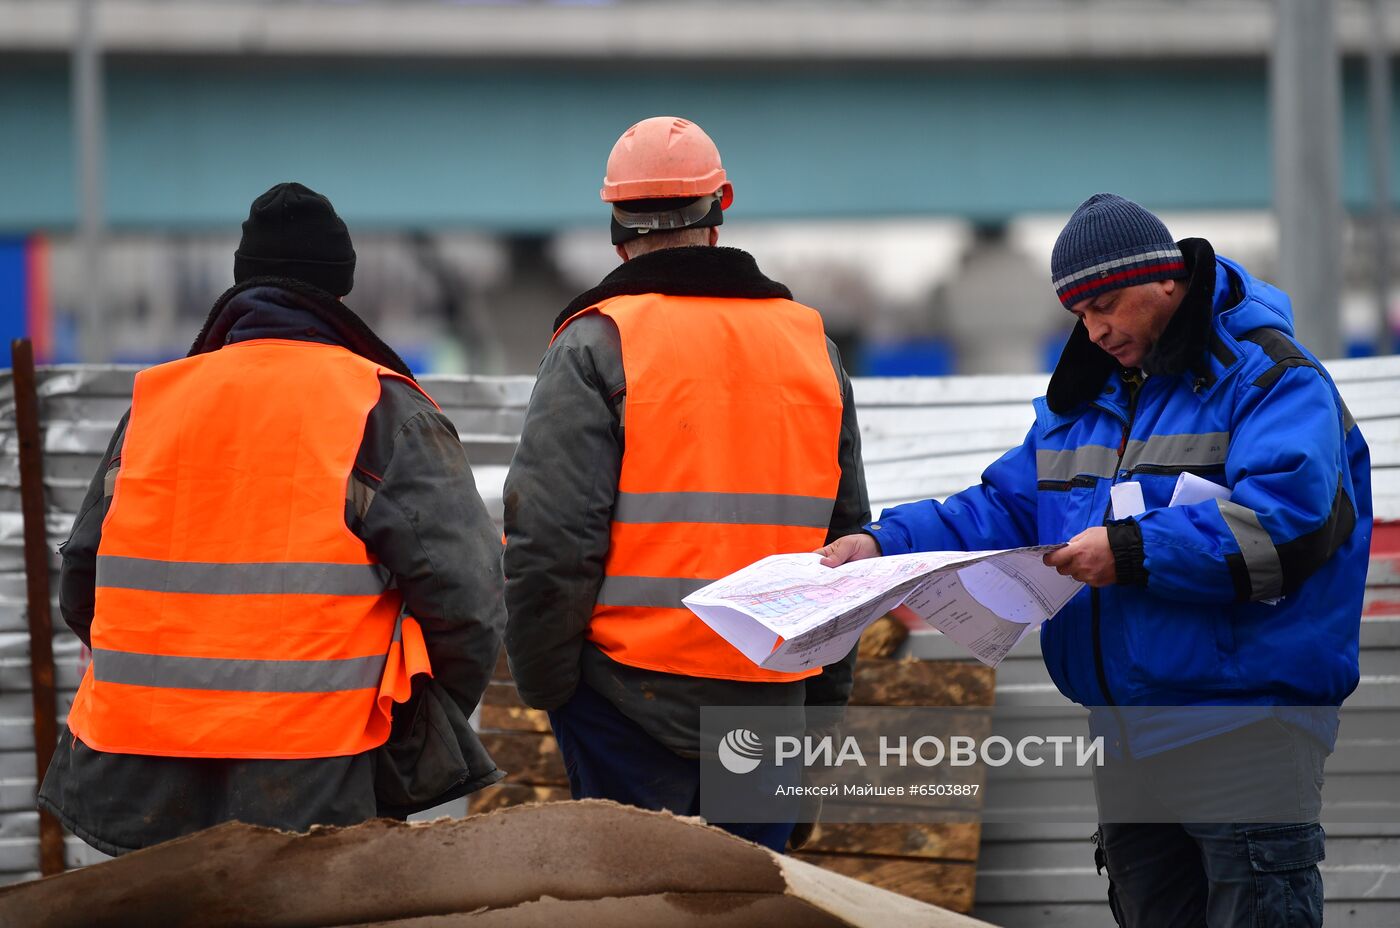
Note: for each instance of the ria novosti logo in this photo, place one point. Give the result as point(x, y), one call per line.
point(741, 751)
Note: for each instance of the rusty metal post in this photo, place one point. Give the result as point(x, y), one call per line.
point(36, 571)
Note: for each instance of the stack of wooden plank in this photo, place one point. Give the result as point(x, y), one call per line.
point(935, 863)
point(520, 740)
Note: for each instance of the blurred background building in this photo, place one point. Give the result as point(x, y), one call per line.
point(902, 166)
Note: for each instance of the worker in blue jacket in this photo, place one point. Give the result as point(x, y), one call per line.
point(1182, 362)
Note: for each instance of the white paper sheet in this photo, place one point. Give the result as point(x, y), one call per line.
point(789, 613)
point(1127, 499)
point(1192, 489)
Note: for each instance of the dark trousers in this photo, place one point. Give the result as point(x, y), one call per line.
point(609, 756)
point(1215, 875)
point(1181, 873)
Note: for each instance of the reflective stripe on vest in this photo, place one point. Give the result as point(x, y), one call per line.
point(131, 573)
point(236, 614)
point(732, 434)
point(241, 675)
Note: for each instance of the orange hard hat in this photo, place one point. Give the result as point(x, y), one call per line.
point(665, 157)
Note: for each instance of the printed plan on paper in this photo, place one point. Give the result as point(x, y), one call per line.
point(788, 612)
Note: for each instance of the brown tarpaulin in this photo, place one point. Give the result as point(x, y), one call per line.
point(567, 863)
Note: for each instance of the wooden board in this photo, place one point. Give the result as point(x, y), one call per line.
point(883, 682)
point(925, 840)
point(528, 758)
point(503, 795)
point(507, 718)
point(502, 708)
point(950, 885)
point(502, 671)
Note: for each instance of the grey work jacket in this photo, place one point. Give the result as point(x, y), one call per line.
point(412, 500)
point(559, 497)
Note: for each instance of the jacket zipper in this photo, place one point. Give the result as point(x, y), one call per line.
point(1133, 385)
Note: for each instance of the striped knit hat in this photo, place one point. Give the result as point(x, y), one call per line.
point(1110, 243)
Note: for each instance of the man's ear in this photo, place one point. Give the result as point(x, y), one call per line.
point(621, 253)
point(714, 236)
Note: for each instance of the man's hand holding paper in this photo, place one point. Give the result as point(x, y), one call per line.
point(1087, 557)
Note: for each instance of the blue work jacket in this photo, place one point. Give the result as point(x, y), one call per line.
point(1251, 601)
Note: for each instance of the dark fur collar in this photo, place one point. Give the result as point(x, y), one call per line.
point(346, 328)
point(697, 270)
point(1083, 366)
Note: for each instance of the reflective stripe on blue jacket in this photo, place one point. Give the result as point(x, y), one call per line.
point(1191, 621)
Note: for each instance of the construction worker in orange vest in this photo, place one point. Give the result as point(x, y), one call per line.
point(283, 569)
point(689, 418)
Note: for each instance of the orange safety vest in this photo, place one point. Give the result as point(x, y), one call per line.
point(733, 425)
point(236, 614)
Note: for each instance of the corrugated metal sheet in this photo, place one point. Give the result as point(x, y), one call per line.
point(923, 437)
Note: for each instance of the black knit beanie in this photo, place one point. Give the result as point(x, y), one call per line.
point(1109, 243)
point(293, 231)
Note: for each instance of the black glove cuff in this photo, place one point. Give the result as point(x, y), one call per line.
point(1125, 540)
